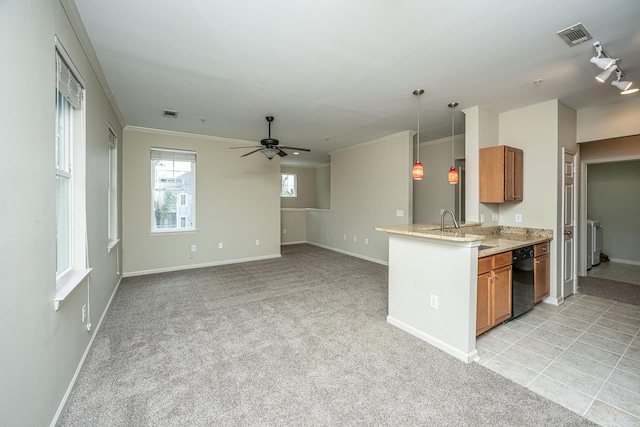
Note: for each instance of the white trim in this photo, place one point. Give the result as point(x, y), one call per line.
point(465, 357)
point(63, 402)
point(293, 243)
point(366, 258)
point(112, 244)
point(67, 284)
point(189, 267)
point(624, 261)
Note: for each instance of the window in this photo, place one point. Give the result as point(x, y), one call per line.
point(112, 195)
point(173, 190)
point(69, 146)
point(70, 177)
point(289, 185)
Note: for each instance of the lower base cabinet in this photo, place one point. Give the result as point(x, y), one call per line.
point(541, 272)
point(494, 291)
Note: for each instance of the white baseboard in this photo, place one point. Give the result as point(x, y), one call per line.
point(353, 254)
point(293, 243)
point(624, 261)
point(192, 266)
point(457, 353)
point(63, 402)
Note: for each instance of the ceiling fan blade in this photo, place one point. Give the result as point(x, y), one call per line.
point(251, 152)
point(281, 153)
point(253, 146)
point(294, 148)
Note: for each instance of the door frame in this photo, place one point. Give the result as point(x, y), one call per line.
point(576, 224)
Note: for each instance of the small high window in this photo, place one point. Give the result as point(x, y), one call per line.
point(289, 185)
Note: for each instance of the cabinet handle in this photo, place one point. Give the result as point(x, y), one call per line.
point(537, 262)
point(496, 276)
point(544, 249)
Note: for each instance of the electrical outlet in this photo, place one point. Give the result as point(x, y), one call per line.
point(344, 237)
point(84, 313)
point(399, 212)
point(494, 216)
point(518, 217)
point(284, 231)
point(434, 302)
point(220, 245)
point(481, 218)
point(366, 241)
point(193, 248)
point(257, 242)
point(355, 239)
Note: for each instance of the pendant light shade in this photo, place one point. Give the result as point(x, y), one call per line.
point(452, 176)
point(418, 170)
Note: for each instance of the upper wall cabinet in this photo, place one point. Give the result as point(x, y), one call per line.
point(500, 174)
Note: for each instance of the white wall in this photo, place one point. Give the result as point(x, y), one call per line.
point(434, 192)
point(306, 184)
point(369, 183)
point(610, 120)
point(293, 225)
point(237, 203)
point(41, 347)
point(323, 186)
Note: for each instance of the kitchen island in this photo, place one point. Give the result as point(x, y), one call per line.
point(433, 279)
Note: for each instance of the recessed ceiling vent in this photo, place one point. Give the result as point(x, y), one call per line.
point(575, 34)
point(169, 113)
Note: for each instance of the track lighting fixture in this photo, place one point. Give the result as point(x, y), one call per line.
point(609, 65)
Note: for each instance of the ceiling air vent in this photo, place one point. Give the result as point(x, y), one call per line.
point(575, 34)
point(169, 113)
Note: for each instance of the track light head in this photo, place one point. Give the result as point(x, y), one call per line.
point(603, 76)
point(622, 85)
point(601, 61)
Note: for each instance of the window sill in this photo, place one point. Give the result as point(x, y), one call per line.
point(172, 232)
point(112, 244)
point(67, 284)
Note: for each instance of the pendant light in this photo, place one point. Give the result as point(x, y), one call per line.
point(452, 177)
point(418, 170)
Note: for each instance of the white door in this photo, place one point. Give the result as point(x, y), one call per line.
point(568, 252)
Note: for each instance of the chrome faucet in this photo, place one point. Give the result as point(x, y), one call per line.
point(455, 223)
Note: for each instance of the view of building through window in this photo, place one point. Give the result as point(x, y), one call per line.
point(173, 192)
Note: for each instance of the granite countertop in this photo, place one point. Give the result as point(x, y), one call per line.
point(493, 240)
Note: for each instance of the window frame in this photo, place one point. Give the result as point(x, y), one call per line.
point(295, 185)
point(175, 155)
point(113, 234)
point(71, 94)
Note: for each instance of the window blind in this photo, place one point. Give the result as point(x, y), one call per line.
point(174, 155)
point(68, 84)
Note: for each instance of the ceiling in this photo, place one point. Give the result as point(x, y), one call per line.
point(338, 73)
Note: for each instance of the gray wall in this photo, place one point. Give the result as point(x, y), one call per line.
point(306, 177)
point(614, 199)
point(41, 347)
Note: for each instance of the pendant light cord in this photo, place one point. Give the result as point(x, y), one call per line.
point(418, 135)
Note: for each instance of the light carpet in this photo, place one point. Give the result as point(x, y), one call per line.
point(296, 341)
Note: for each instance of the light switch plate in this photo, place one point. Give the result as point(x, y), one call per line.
point(399, 212)
point(494, 216)
point(518, 217)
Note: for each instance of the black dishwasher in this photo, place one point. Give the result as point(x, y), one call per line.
point(522, 292)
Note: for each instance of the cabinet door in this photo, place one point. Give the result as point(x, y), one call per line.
point(483, 318)
point(513, 174)
point(501, 294)
point(541, 277)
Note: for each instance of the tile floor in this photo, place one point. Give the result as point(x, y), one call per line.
point(583, 354)
point(629, 273)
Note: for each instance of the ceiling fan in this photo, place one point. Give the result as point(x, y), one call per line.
point(270, 146)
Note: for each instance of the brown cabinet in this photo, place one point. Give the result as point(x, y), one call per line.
point(494, 291)
point(500, 174)
point(541, 272)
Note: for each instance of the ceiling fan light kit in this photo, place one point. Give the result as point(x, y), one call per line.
point(609, 65)
point(269, 146)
